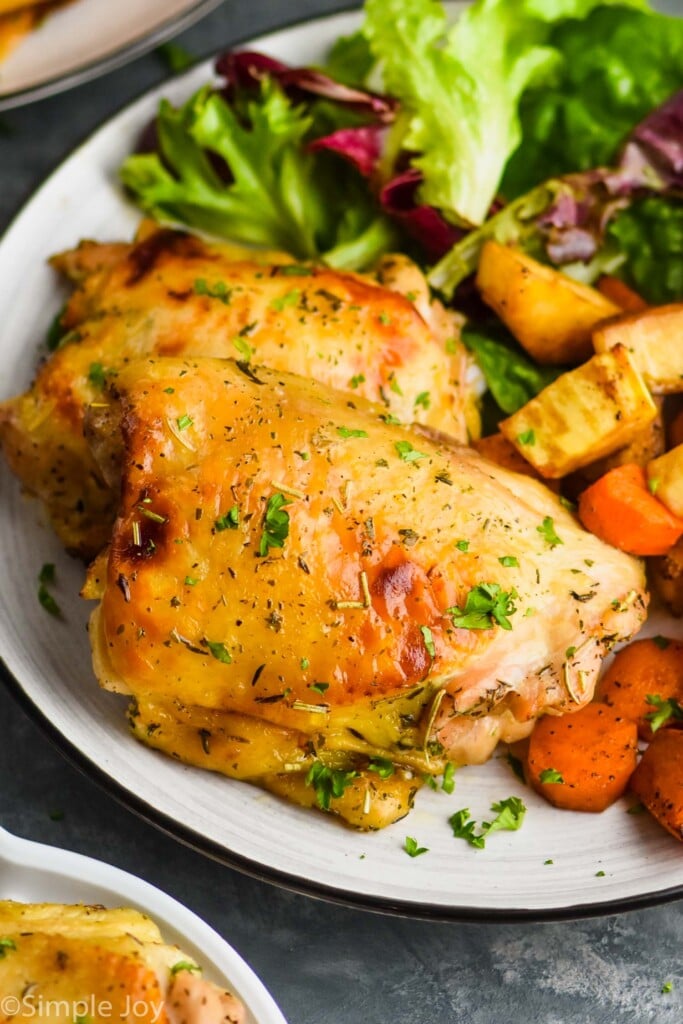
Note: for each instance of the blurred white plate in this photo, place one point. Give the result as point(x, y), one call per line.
point(33, 873)
point(49, 661)
point(88, 38)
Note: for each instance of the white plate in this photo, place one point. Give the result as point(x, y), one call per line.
point(33, 873)
point(50, 661)
point(88, 38)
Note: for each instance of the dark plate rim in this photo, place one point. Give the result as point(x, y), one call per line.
point(109, 62)
point(201, 844)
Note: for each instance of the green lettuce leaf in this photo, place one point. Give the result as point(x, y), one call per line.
point(650, 236)
point(278, 193)
point(615, 67)
point(460, 87)
point(512, 378)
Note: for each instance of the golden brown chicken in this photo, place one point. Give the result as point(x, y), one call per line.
point(64, 963)
point(303, 595)
point(173, 294)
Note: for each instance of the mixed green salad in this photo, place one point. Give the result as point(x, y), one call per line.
point(553, 124)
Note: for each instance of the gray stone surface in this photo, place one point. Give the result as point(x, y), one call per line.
point(324, 964)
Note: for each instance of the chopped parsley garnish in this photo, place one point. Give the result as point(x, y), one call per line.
point(423, 399)
point(509, 562)
point(407, 452)
point(667, 710)
point(661, 642)
point(304, 663)
point(462, 545)
point(169, 391)
point(349, 432)
point(547, 531)
point(191, 581)
point(230, 520)
point(275, 524)
point(412, 849)
point(429, 641)
point(570, 652)
point(184, 965)
point(55, 331)
point(448, 779)
point(571, 507)
point(184, 421)
point(384, 318)
point(653, 484)
point(599, 874)
point(394, 386)
point(527, 437)
point(667, 987)
point(46, 578)
point(219, 290)
point(486, 605)
point(175, 57)
point(244, 348)
point(551, 775)
point(6, 944)
point(388, 417)
point(289, 299)
point(509, 817)
point(328, 783)
point(219, 651)
point(382, 767)
point(294, 270)
point(97, 375)
point(319, 687)
point(358, 378)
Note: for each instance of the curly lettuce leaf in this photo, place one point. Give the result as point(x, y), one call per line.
point(246, 173)
point(460, 87)
point(616, 66)
point(650, 234)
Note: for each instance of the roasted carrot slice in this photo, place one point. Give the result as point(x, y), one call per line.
point(620, 294)
point(582, 761)
point(645, 669)
point(658, 780)
point(620, 509)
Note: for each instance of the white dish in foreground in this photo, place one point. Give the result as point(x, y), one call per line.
point(50, 660)
point(33, 873)
point(88, 38)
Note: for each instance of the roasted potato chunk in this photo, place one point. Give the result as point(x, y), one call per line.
point(550, 315)
point(655, 340)
point(584, 415)
point(665, 477)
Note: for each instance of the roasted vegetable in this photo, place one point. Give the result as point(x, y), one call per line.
point(618, 292)
point(665, 479)
point(550, 315)
point(620, 509)
point(653, 338)
point(644, 669)
point(667, 574)
point(584, 415)
point(658, 780)
point(582, 761)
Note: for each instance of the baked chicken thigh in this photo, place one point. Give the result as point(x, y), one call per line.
point(298, 591)
point(174, 294)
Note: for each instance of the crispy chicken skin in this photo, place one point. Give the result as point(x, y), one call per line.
point(335, 641)
point(60, 959)
point(174, 294)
